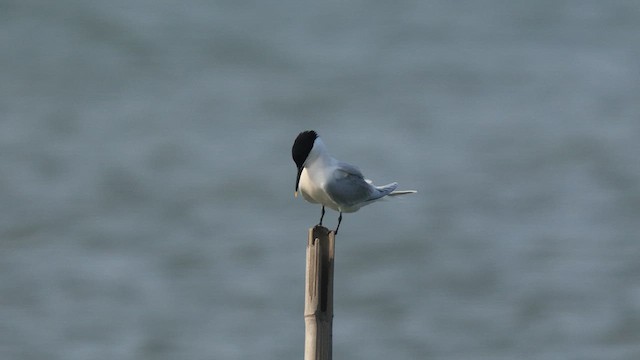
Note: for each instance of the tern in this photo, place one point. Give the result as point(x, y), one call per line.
point(325, 180)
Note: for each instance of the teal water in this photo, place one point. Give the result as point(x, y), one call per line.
point(147, 186)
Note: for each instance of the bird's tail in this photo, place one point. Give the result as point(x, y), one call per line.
point(389, 190)
point(402, 192)
point(385, 190)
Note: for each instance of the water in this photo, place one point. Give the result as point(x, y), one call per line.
point(147, 187)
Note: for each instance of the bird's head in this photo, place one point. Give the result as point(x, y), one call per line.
point(302, 146)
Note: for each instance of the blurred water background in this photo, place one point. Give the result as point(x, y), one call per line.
point(146, 183)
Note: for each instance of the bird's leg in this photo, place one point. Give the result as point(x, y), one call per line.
point(321, 216)
point(339, 221)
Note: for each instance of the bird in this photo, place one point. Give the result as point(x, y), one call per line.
point(324, 180)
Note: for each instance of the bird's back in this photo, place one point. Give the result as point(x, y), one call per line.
point(348, 188)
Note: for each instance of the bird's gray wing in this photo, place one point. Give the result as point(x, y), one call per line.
point(348, 187)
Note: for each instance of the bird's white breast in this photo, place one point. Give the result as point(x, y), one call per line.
point(312, 187)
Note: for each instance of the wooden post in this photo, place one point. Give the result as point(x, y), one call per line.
point(318, 299)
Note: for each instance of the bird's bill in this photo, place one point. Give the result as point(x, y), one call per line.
point(298, 181)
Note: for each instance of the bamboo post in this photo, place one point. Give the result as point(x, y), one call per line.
point(318, 300)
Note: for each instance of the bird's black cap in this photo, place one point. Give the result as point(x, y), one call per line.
point(302, 146)
point(301, 149)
